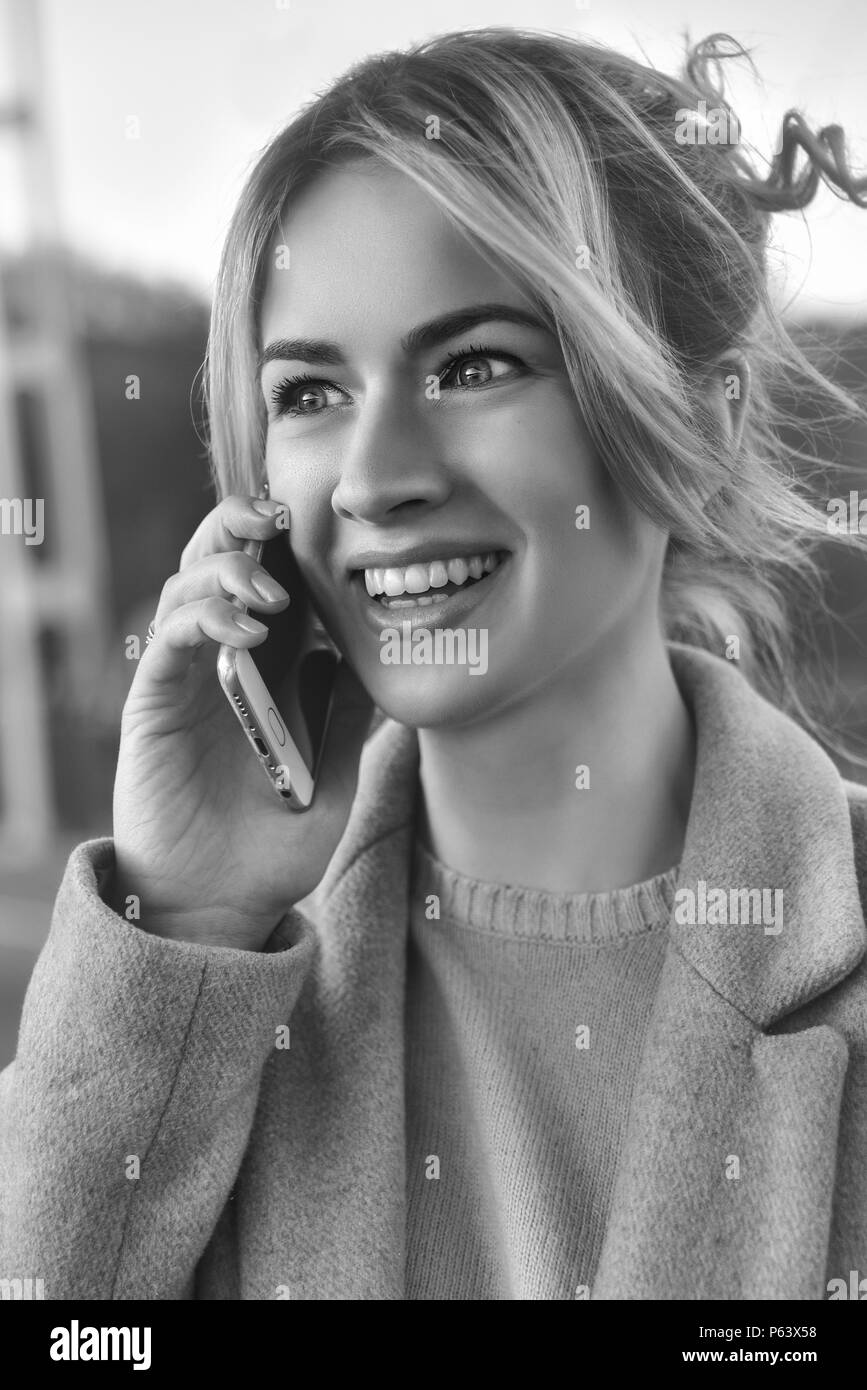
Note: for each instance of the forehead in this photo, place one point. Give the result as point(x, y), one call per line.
point(369, 252)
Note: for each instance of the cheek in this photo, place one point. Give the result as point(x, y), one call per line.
point(593, 550)
point(551, 481)
point(543, 459)
point(311, 519)
point(307, 492)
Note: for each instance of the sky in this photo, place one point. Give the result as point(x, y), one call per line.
point(210, 81)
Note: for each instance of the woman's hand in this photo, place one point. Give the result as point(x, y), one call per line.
point(200, 837)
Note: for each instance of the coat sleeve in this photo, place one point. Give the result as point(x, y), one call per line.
point(125, 1115)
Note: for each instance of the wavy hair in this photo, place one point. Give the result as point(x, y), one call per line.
point(643, 246)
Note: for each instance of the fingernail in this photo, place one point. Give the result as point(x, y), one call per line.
point(248, 624)
point(267, 507)
point(268, 587)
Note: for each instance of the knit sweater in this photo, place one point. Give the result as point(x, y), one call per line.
point(271, 1172)
point(526, 1014)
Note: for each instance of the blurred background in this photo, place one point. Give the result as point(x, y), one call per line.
point(126, 131)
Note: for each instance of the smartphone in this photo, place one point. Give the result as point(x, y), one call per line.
point(281, 691)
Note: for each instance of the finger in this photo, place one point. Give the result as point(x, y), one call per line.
point(192, 626)
point(226, 572)
point(232, 523)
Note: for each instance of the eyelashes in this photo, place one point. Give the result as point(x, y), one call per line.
point(283, 393)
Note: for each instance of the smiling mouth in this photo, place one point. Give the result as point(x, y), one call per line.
point(424, 584)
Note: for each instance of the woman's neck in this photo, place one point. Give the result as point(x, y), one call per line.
point(499, 800)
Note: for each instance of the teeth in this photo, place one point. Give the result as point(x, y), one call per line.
point(393, 582)
point(418, 601)
point(415, 579)
point(418, 579)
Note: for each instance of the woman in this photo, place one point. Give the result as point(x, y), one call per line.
point(574, 1002)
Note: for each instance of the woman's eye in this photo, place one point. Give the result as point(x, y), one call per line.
point(298, 395)
point(472, 368)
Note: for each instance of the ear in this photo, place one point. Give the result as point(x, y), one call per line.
point(726, 397)
point(728, 393)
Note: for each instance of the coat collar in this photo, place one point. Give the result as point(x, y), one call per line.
point(726, 1178)
point(769, 810)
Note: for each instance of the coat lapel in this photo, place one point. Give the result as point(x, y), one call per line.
point(348, 1037)
point(726, 1180)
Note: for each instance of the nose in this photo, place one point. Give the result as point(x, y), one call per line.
point(392, 461)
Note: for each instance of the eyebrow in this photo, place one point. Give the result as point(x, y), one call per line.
point(416, 341)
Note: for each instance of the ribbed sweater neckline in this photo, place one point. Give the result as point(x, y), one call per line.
point(508, 910)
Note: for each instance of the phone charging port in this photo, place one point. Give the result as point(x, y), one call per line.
point(260, 747)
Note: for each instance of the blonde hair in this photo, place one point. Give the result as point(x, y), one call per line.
point(646, 254)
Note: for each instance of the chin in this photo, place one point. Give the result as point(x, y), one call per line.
point(430, 697)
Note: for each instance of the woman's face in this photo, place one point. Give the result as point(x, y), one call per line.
point(390, 459)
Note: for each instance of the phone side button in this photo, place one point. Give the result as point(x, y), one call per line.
point(276, 726)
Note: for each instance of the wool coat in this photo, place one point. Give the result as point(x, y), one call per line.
point(161, 1140)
